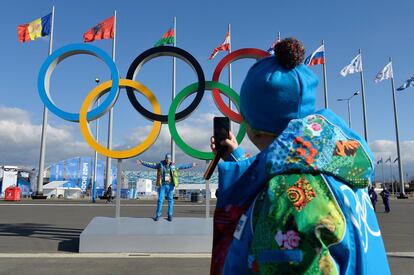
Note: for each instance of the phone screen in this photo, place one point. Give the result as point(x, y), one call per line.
point(221, 131)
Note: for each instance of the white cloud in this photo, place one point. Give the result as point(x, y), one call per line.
point(387, 148)
point(15, 114)
point(20, 140)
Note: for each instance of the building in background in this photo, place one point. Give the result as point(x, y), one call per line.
point(77, 173)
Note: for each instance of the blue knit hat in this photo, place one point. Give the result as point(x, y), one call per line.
point(272, 95)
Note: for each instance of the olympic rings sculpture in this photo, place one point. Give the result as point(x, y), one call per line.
point(112, 87)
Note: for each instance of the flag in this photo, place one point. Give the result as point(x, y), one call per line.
point(395, 160)
point(317, 57)
point(104, 30)
point(388, 160)
point(35, 29)
point(167, 39)
point(385, 73)
point(408, 83)
point(354, 67)
point(225, 46)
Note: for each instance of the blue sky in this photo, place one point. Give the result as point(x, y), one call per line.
point(380, 28)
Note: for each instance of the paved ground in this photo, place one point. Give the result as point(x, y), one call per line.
point(104, 266)
point(50, 226)
point(54, 227)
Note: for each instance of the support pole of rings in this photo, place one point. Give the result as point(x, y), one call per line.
point(118, 189)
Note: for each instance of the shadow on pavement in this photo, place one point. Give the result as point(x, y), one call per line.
point(68, 237)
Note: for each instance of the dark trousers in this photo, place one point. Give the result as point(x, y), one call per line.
point(373, 205)
point(386, 205)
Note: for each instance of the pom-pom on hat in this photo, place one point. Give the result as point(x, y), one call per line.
point(278, 89)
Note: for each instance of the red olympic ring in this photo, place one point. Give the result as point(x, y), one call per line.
point(231, 57)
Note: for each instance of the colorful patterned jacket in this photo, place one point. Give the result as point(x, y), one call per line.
point(161, 170)
point(301, 206)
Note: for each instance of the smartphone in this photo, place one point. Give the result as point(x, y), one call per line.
point(221, 131)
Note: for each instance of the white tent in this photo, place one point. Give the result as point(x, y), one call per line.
point(61, 189)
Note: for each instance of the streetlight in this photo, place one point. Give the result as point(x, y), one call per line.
point(95, 161)
point(349, 106)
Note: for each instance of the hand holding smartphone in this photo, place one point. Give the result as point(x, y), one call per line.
point(221, 133)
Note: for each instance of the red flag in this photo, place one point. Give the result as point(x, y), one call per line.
point(225, 46)
point(104, 30)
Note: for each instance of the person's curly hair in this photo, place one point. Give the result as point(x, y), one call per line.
point(289, 52)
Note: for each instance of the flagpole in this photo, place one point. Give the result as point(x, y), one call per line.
point(325, 80)
point(392, 182)
point(349, 114)
point(363, 100)
point(110, 122)
point(397, 135)
point(174, 68)
point(39, 191)
point(95, 158)
point(230, 71)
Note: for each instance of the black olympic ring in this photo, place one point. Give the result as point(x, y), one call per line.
point(183, 55)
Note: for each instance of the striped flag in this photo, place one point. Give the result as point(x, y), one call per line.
point(354, 67)
point(225, 46)
point(385, 73)
point(35, 29)
point(317, 57)
point(408, 83)
point(167, 39)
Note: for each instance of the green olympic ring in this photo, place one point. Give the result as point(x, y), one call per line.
point(180, 97)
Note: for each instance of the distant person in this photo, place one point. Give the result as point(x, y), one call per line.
point(373, 196)
point(300, 205)
point(385, 194)
point(167, 180)
point(109, 194)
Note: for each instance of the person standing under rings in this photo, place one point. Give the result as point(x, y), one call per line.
point(167, 180)
point(385, 195)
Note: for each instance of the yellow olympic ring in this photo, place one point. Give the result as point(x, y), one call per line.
point(98, 92)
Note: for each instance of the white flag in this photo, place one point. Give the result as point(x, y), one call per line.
point(385, 73)
point(354, 67)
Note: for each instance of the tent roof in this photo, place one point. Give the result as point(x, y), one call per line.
point(60, 184)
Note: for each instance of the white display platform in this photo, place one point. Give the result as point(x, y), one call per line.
point(143, 235)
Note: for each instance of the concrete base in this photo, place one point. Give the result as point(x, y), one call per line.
point(143, 235)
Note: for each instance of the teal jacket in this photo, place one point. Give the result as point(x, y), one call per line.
point(301, 206)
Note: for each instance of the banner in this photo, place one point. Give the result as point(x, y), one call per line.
point(56, 171)
point(85, 173)
point(72, 171)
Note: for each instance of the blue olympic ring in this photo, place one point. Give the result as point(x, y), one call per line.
point(43, 80)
